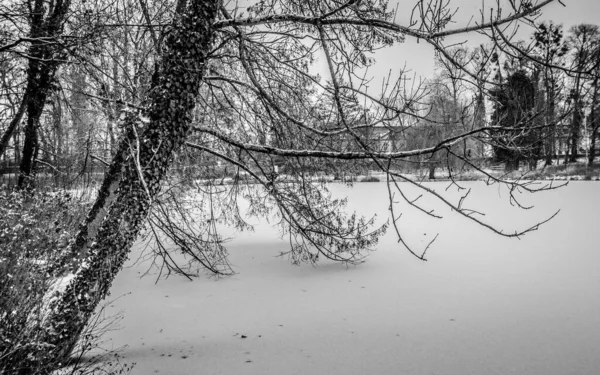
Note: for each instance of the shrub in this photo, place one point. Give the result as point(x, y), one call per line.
point(34, 228)
point(370, 179)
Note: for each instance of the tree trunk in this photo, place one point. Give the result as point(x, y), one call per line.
point(71, 259)
point(576, 123)
point(592, 153)
point(172, 102)
point(512, 164)
point(432, 172)
point(57, 144)
point(37, 93)
point(46, 22)
point(16, 147)
point(538, 133)
point(479, 121)
point(575, 131)
point(30, 145)
point(12, 126)
point(79, 106)
point(593, 123)
point(550, 116)
point(113, 109)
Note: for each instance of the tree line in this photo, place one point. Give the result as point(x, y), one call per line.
point(544, 91)
point(553, 96)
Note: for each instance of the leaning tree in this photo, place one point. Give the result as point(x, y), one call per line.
point(238, 88)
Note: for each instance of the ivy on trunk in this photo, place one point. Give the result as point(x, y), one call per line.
point(145, 165)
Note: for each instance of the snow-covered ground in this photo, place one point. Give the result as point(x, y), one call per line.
point(481, 305)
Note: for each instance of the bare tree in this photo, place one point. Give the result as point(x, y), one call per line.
point(44, 35)
point(444, 117)
point(582, 39)
point(593, 122)
point(43, 61)
point(551, 49)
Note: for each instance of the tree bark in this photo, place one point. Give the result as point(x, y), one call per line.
point(479, 118)
point(14, 123)
point(511, 165)
point(43, 64)
point(537, 134)
point(172, 102)
point(79, 104)
point(56, 139)
point(550, 117)
point(71, 259)
point(575, 131)
point(576, 122)
point(30, 145)
point(432, 172)
point(38, 87)
point(594, 121)
point(592, 153)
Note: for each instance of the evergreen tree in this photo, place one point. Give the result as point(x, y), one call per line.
point(514, 103)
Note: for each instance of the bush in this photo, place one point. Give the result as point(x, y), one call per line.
point(34, 229)
point(370, 179)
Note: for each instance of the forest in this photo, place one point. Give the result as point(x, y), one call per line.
point(123, 120)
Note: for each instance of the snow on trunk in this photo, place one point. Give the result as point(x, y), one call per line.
point(172, 101)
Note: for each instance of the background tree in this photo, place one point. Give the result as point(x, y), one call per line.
point(514, 109)
point(594, 115)
point(550, 48)
point(12, 108)
point(444, 117)
point(582, 39)
point(44, 57)
point(43, 35)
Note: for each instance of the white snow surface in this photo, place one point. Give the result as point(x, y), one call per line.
point(481, 305)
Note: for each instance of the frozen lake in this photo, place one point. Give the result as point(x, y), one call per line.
point(482, 304)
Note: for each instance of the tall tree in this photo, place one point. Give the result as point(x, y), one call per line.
point(582, 39)
point(46, 22)
point(444, 117)
point(593, 122)
point(550, 50)
point(514, 104)
point(12, 103)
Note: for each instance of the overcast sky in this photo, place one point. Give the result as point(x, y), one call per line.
point(418, 56)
